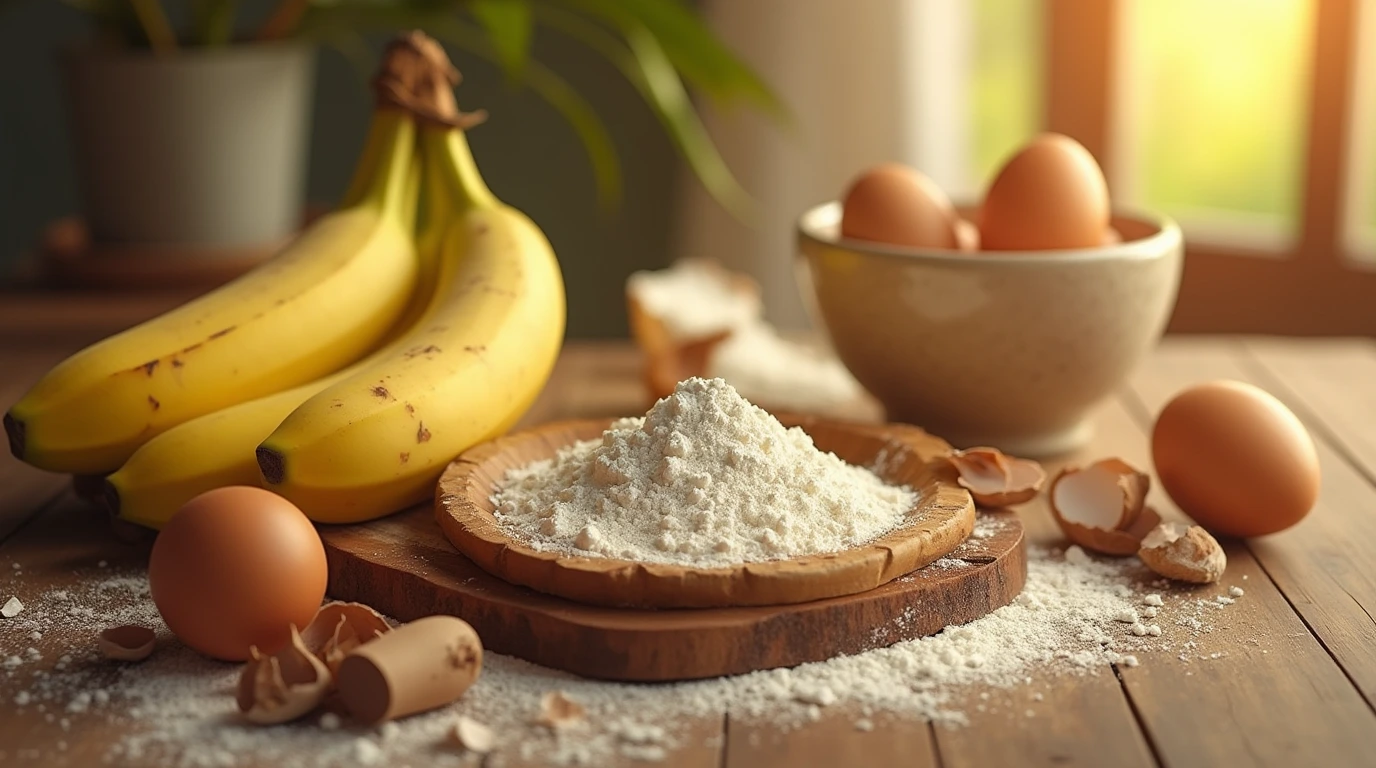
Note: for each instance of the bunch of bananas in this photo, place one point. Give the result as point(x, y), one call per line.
point(349, 370)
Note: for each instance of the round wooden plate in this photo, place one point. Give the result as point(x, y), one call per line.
point(943, 517)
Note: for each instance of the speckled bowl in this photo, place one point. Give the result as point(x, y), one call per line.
point(1010, 349)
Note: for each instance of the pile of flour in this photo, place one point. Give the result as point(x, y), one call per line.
point(704, 479)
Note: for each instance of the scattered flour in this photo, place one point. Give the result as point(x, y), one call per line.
point(177, 708)
point(704, 479)
point(767, 368)
point(695, 298)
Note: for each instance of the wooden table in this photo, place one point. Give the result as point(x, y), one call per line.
point(1293, 684)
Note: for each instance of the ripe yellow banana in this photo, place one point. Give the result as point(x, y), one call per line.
point(378, 441)
point(217, 449)
point(329, 297)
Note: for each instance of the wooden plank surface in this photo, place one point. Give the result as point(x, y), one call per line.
point(1269, 655)
point(1274, 695)
point(833, 740)
point(1075, 721)
point(1082, 720)
point(1323, 564)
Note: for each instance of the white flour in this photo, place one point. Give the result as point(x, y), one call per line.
point(694, 299)
point(766, 368)
point(178, 709)
point(704, 479)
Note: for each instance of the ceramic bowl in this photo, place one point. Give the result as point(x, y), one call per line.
point(1009, 349)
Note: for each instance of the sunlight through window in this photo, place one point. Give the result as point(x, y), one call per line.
point(1006, 83)
point(1213, 103)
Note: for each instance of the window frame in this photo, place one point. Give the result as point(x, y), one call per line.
point(1310, 286)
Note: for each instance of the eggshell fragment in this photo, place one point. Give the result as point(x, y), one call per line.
point(557, 710)
point(995, 479)
point(126, 643)
point(1184, 554)
point(284, 686)
point(1102, 507)
point(474, 736)
point(417, 666)
point(340, 627)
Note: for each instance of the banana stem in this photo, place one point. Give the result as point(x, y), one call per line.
point(458, 172)
point(385, 177)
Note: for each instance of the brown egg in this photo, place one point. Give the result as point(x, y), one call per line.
point(1050, 195)
point(1235, 459)
point(896, 205)
point(236, 567)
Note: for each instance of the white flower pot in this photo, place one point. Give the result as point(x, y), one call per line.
point(198, 148)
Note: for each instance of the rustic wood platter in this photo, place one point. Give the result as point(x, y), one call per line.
point(403, 566)
point(941, 519)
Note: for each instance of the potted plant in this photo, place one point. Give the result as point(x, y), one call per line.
point(195, 132)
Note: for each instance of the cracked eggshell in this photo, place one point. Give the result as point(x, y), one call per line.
point(340, 627)
point(995, 479)
point(557, 710)
point(283, 686)
point(418, 666)
point(474, 736)
point(126, 643)
point(1102, 507)
point(1183, 553)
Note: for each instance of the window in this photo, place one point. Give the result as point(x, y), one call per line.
point(1213, 98)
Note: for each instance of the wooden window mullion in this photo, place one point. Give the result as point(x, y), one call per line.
point(1330, 118)
point(1081, 70)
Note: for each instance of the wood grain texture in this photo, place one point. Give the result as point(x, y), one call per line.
point(1322, 564)
point(1268, 665)
point(699, 746)
point(833, 740)
point(941, 519)
point(404, 567)
point(1077, 721)
point(1275, 697)
point(1048, 722)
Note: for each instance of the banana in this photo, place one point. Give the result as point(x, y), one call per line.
point(378, 441)
point(328, 298)
point(217, 449)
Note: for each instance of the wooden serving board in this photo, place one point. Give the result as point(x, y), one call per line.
point(403, 565)
point(942, 517)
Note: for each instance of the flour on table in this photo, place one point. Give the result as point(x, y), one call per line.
point(704, 479)
point(694, 299)
point(177, 708)
point(697, 299)
point(765, 367)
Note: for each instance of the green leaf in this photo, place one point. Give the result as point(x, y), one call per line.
point(644, 63)
point(559, 94)
point(681, 120)
point(688, 43)
point(213, 21)
point(508, 26)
